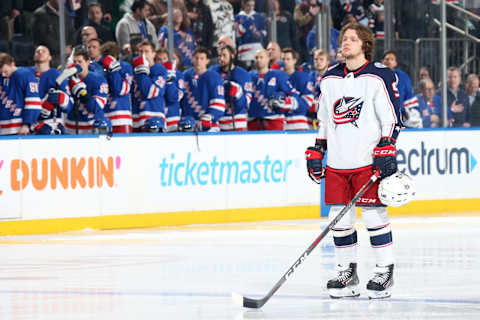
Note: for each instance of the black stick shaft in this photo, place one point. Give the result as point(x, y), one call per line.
point(258, 303)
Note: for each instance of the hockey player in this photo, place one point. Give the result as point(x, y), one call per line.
point(250, 31)
point(410, 108)
point(56, 101)
point(296, 119)
point(119, 75)
point(204, 94)
point(21, 104)
point(95, 53)
point(183, 37)
point(150, 83)
point(321, 61)
point(272, 96)
point(359, 123)
point(89, 91)
point(238, 91)
point(174, 82)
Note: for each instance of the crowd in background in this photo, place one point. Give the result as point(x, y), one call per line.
point(225, 73)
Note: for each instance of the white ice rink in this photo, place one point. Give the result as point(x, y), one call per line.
point(190, 273)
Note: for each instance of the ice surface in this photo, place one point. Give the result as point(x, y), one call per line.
point(190, 273)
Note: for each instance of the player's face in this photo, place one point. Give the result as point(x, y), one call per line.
point(288, 60)
point(7, 70)
point(351, 44)
point(273, 52)
point(41, 55)
point(94, 50)
point(224, 58)
point(82, 62)
point(390, 61)
point(161, 58)
point(320, 61)
point(200, 61)
point(261, 60)
point(249, 6)
point(148, 52)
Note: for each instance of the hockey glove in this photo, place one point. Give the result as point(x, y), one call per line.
point(235, 90)
point(79, 89)
point(412, 118)
point(171, 72)
point(141, 66)
point(206, 122)
point(47, 108)
point(384, 157)
point(110, 63)
point(58, 97)
point(281, 103)
point(314, 156)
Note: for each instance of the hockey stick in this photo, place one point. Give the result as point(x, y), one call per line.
point(258, 303)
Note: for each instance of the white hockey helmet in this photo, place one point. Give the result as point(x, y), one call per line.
point(396, 190)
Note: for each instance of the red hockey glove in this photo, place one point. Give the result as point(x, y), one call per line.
point(206, 122)
point(110, 63)
point(384, 157)
point(235, 90)
point(141, 65)
point(314, 156)
point(79, 89)
point(171, 72)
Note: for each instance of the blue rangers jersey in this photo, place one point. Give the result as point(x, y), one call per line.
point(173, 101)
point(149, 99)
point(46, 81)
point(407, 98)
point(264, 85)
point(204, 94)
point(21, 104)
point(356, 109)
point(119, 107)
point(97, 87)
point(297, 119)
point(185, 44)
point(240, 106)
point(250, 31)
point(94, 66)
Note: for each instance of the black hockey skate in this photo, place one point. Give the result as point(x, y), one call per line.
point(345, 284)
point(381, 284)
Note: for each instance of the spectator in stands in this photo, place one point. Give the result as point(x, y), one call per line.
point(274, 52)
point(304, 15)
point(312, 41)
point(202, 24)
point(458, 112)
point(158, 13)
point(87, 33)
point(471, 87)
point(183, 38)
point(9, 10)
point(222, 18)
point(95, 20)
point(47, 31)
point(473, 93)
point(376, 18)
point(287, 30)
point(136, 23)
point(250, 32)
point(428, 111)
point(409, 102)
point(321, 63)
point(342, 8)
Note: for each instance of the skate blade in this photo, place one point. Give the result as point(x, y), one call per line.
point(349, 292)
point(379, 294)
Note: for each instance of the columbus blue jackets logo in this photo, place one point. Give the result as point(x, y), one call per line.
point(347, 109)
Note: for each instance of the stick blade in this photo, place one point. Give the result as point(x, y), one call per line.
point(245, 302)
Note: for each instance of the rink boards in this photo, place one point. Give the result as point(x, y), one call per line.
point(73, 183)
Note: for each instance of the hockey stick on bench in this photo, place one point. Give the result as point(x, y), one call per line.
point(258, 303)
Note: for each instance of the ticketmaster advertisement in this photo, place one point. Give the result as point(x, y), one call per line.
point(42, 178)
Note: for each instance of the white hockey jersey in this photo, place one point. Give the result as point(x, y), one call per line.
point(356, 109)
